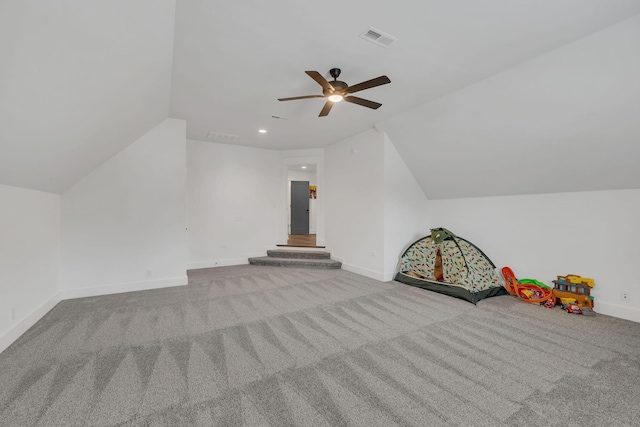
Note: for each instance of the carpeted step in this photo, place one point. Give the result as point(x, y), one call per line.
point(296, 262)
point(281, 253)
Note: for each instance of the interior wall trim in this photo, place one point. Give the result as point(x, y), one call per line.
point(23, 325)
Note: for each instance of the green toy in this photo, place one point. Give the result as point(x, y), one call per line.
point(534, 282)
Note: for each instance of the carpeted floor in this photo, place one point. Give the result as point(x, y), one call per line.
point(268, 346)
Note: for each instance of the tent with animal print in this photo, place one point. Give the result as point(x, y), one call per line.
point(445, 263)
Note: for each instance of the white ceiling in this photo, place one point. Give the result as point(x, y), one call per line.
point(307, 167)
point(232, 60)
point(81, 81)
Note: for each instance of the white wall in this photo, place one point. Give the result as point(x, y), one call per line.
point(313, 203)
point(29, 258)
point(235, 203)
point(405, 209)
point(123, 225)
point(592, 234)
point(354, 203)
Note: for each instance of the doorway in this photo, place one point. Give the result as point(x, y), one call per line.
point(303, 205)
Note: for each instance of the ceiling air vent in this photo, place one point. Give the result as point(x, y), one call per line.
point(279, 118)
point(378, 37)
point(222, 138)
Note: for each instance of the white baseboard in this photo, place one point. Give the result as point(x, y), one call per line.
point(617, 310)
point(364, 272)
point(217, 263)
point(388, 277)
point(28, 321)
point(123, 287)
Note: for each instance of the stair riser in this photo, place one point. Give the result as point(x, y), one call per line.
point(294, 263)
point(298, 254)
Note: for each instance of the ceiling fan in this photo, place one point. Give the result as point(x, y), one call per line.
point(337, 91)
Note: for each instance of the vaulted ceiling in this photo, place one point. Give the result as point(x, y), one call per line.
point(79, 81)
point(474, 83)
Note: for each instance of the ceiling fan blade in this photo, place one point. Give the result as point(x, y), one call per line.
point(301, 97)
point(321, 80)
point(326, 109)
point(363, 102)
point(378, 81)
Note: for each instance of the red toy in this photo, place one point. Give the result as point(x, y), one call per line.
point(573, 308)
point(526, 292)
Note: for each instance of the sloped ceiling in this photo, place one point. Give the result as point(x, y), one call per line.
point(234, 59)
point(80, 81)
point(487, 97)
point(566, 121)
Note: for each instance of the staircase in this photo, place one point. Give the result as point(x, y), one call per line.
point(301, 259)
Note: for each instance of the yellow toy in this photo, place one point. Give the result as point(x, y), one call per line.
point(574, 287)
point(577, 280)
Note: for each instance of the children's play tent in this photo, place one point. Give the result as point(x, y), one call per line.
point(451, 265)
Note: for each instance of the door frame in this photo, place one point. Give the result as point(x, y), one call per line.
point(318, 161)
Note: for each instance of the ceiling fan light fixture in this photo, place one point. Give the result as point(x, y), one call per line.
point(337, 91)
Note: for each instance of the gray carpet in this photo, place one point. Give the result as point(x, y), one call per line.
point(268, 346)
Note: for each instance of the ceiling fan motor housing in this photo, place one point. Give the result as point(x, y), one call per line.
point(337, 85)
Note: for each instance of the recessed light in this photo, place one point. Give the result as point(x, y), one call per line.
point(262, 131)
point(304, 167)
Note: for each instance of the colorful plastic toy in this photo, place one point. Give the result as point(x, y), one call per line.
point(573, 308)
point(534, 282)
point(574, 287)
point(527, 292)
point(575, 279)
